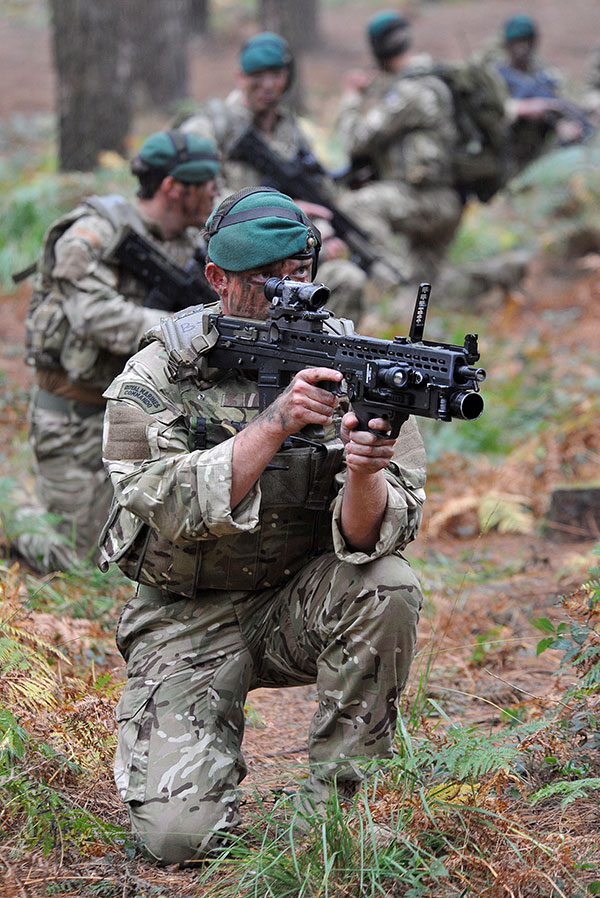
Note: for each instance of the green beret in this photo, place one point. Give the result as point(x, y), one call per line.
point(258, 226)
point(519, 27)
point(389, 34)
point(265, 51)
point(185, 157)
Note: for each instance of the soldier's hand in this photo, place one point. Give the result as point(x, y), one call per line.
point(304, 401)
point(314, 210)
point(534, 107)
point(357, 80)
point(333, 248)
point(366, 453)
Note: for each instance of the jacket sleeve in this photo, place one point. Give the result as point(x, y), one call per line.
point(154, 474)
point(405, 479)
point(91, 299)
point(407, 105)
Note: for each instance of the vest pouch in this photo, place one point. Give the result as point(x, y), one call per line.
point(46, 327)
point(78, 357)
point(123, 541)
point(288, 534)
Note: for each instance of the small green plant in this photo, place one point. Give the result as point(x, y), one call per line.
point(33, 812)
point(14, 522)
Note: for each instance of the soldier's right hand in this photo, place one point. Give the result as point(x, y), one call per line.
point(304, 401)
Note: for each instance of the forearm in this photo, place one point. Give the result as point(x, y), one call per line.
point(253, 449)
point(302, 403)
point(363, 508)
point(99, 313)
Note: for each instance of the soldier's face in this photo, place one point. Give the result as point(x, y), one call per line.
point(520, 50)
point(197, 201)
point(242, 292)
point(263, 90)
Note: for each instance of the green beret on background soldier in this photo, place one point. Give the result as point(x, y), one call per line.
point(266, 70)
point(241, 585)
point(400, 120)
point(86, 317)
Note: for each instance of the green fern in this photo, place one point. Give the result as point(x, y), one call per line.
point(571, 790)
point(469, 753)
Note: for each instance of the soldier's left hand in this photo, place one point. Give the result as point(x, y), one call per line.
point(333, 248)
point(366, 453)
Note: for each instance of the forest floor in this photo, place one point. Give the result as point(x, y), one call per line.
point(477, 645)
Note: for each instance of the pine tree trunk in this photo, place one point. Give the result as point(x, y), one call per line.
point(161, 58)
point(93, 59)
point(297, 22)
point(199, 16)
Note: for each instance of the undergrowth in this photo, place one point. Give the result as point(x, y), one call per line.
point(57, 733)
point(461, 809)
point(453, 812)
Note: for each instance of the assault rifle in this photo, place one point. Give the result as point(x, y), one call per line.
point(563, 109)
point(302, 181)
point(170, 287)
point(388, 379)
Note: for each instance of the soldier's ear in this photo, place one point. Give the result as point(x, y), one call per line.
point(171, 188)
point(216, 277)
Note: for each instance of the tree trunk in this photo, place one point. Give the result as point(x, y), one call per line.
point(574, 514)
point(297, 22)
point(199, 16)
point(162, 31)
point(93, 58)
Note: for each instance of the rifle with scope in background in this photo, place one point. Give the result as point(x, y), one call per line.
point(302, 178)
point(170, 287)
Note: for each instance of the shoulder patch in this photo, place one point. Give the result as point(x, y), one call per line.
point(86, 234)
point(147, 399)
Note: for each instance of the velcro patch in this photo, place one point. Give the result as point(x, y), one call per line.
point(147, 399)
point(237, 399)
point(125, 434)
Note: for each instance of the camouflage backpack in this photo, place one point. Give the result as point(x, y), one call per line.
point(46, 325)
point(479, 94)
point(481, 154)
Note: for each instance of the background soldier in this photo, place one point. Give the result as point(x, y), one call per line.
point(538, 112)
point(265, 74)
point(400, 122)
point(241, 585)
point(86, 317)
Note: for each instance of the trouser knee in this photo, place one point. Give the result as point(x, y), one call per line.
point(393, 586)
point(175, 833)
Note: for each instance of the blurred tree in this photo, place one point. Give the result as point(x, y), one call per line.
point(93, 54)
point(298, 23)
point(101, 50)
point(161, 64)
point(200, 16)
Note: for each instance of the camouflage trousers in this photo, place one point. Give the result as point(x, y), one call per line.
point(413, 224)
point(351, 629)
point(70, 482)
